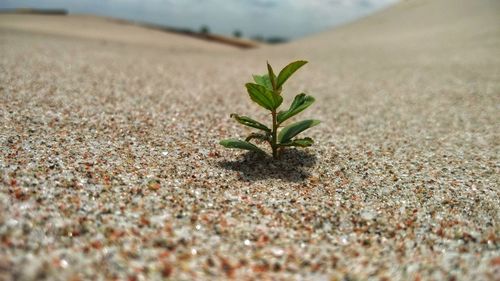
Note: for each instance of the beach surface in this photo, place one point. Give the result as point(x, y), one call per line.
point(110, 167)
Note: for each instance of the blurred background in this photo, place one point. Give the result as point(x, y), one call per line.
point(271, 21)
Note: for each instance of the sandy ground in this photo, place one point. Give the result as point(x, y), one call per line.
point(111, 168)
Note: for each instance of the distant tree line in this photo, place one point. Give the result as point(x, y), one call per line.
point(205, 30)
point(61, 12)
point(270, 40)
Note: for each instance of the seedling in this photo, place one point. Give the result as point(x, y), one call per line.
point(266, 92)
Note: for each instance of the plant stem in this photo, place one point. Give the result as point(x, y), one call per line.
point(274, 137)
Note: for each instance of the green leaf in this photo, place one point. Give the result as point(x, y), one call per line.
point(301, 102)
point(305, 142)
point(294, 129)
point(263, 80)
point(286, 72)
point(264, 97)
point(258, 136)
point(235, 143)
point(247, 121)
point(272, 76)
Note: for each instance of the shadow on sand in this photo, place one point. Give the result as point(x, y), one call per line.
point(290, 167)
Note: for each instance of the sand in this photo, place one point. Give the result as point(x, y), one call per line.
point(111, 168)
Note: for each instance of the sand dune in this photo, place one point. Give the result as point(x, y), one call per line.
point(111, 168)
point(103, 29)
point(418, 25)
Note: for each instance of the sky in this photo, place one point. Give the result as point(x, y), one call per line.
point(268, 18)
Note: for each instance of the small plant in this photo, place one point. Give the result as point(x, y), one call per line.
point(266, 92)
